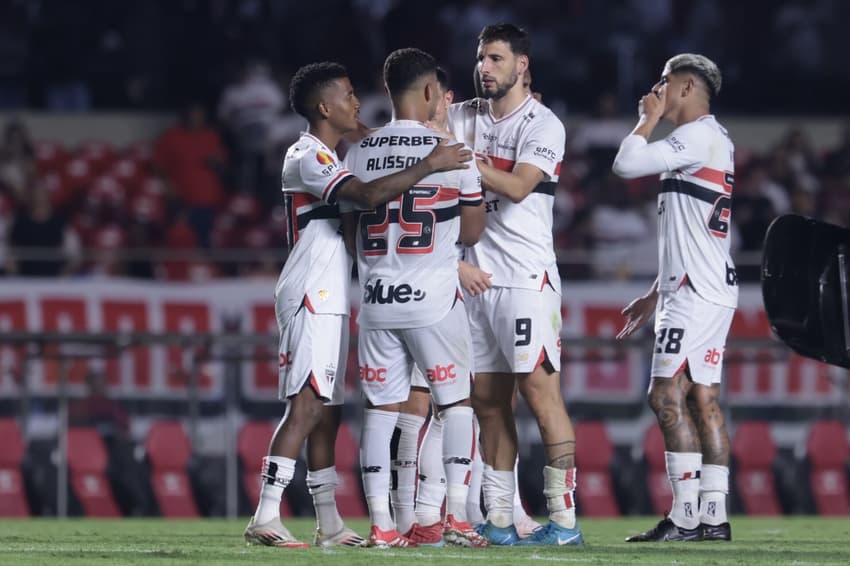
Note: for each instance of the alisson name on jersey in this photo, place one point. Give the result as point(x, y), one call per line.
point(391, 162)
point(396, 161)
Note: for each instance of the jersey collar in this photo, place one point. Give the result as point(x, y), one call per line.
point(406, 124)
point(519, 108)
point(320, 142)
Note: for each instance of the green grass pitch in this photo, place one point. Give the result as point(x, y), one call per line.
point(793, 540)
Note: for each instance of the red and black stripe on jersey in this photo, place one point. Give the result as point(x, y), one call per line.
point(332, 188)
point(544, 187)
point(718, 220)
point(301, 209)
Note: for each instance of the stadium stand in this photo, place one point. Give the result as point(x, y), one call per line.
point(13, 500)
point(253, 445)
point(594, 456)
point(168, 450)
point(87, 463)
point(828, 452)
point(657, 484)
point(754, 452)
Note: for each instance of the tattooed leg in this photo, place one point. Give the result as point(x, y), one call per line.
point(667, 397)
point(704, 408)
point(542, 391)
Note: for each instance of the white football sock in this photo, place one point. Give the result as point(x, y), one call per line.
point(683, 471)
point(403, 449)
point(473, 499)
point(431, 490)
point(518, 508)
point(276, 474)
point(322, 487)
point(559, 488)
point(713, 488)
point(458, 445)
point(498, 488)
point(378, 427)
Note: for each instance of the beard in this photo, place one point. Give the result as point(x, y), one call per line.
point(499, 90)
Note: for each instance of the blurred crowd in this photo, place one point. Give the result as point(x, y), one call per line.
point(97, 54)
point(203, 199)
point(187, 205)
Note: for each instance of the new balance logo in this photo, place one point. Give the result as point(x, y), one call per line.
point(457, 460)
point(712, 508)
point(378, 294)
point(688, 510)
point(689, 476)
point(371, 469)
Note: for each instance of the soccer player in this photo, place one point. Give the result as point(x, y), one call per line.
point(423, 525)
point(311, 298)
point(412, 311)
point(516, 323)
point(431, 487)
point(695, 294)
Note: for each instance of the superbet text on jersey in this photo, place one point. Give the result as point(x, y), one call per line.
point(406, 248)
point(318, 268)
point(516, 246)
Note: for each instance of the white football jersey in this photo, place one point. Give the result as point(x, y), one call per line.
point(697, 166)
point(516, 246)
point(406, 248)
point(695, 211)
point(318, 269)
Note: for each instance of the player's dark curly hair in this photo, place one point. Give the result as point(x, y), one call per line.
point(307, 84)
point(514, 36)
point(403, 67)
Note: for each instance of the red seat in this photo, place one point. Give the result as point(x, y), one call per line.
point(141, 152)
point(657, 483)
point(13, 499)
point(100, 155)
point(754, 453)
point(49, 156)
point(106, 195)
point(168, 450)
point(87, 461)
point(594, 453)
point(349, 498)
point(129, 172)
point(253, 446)
point(828, 452)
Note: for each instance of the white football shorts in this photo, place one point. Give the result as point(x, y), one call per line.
point(417, 378)
point(442, 351)
point(690, 330)
point(514, 330)
point(313, 350)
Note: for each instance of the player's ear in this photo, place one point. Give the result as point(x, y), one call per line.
point(429, 91)
point(522, 61)
point(688, 86)
point(323, 109)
